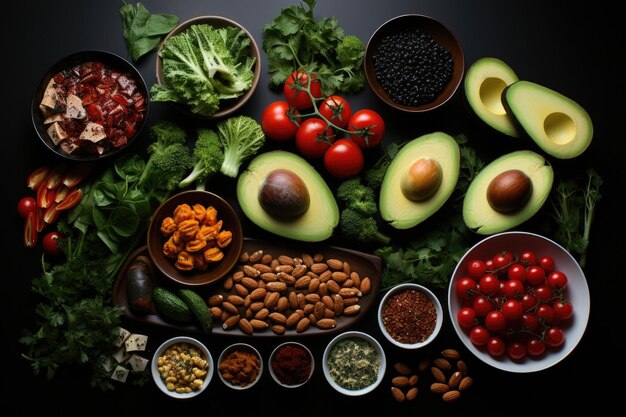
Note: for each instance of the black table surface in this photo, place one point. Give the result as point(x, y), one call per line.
point(576, 51)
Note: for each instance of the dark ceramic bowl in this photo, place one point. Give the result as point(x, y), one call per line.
point(108, 59)
point(227, 107)
point(215, 271)
point(439, 33)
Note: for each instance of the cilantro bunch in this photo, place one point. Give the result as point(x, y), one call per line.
point(296, 40)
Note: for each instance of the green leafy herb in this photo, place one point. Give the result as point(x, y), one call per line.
point(296, 40)
point(241, 137)
point(143, 30)
point(573, 204)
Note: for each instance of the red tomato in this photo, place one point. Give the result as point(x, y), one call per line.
point(26, 205)
point(517, 272)
point(476, 269)
point(277, 123)
point(344, 159)
point(496, 347)
point(336, 110)
point(367, 127)
point(479, 335)
point(513, 289)
point(557, 279)
point(482, 305)
point(529, 301)
point(555, 337)
point(502, 259)
point(545, 312)
point(547, 263)
point(466, 317)
point(495, 321)
point(465, 288)
point(512, 310)
point(563, 309)
point(516, 350)
point(543, 293)
point(50, 243)
point(535, 347)
point(535, 275)
point(313, 137)
point(530, 322)
point(489, 284)
point(294, 93)
point(528, 258)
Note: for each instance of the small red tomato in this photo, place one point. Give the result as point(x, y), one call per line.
point(502, 259)
point(495, 321)
point(482, 305)
point(545, 312)
point(512, 310)
point(535, 275)
point(535, 347)
point(530, 322)
point(50, 243)
point(563, 309)
point(26, 205)
point(295, 89)
point(313, 137)
point(557, 279)
point(517, 272)
point(528, 258)
point(489, 284)
point(367, 128)
point(277, 123)
point(529, 301)
point(336, 110)
point(465, 288)
point(479, 335)
point(466, 317)
point(476, 269)
point(547, 263)
point(496, 347)
point(344, 159)
point(516, 350)
point(513, 289)
point(555, 337)
point(543, 293)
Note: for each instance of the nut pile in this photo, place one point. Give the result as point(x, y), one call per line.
point(448, 371)
point(288, 293)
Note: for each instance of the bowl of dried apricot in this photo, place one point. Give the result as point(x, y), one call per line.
point(195, 238)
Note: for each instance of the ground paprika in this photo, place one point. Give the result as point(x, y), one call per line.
point(291, 364)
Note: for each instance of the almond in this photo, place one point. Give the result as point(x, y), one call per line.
point(312, 298)
point(269, 277)
point(335, 264)
point(328, 302)
point(366, 286)
point(301, 300)
point(286, 278)
point(318, 268)
point(461, 366)
point(271, 299)
point(413, 380)
point(400, 381)
point(285, 260)
point(339, 276)
point(303, 324)
point(314, 285)
point(293, 319)
point(451, 396)
point(297, 261)
point(244, 257)
point(256, 256)
point(303, 282)
point(319, 309)
point(278, 329)
point(215, 300)
point(274, 264)
point(245, 326)
point(276, 286)
point(325, 276)
point(346, 268)
point(318, 257)
point(249, 283)
point(442, 364)
point(293, 300)
point(312, 275)
point(228, 283)
point(230, 308)
point(299, 271)
point(283, 304)
point(326, 323)
point(338, 300)
point(455, 379)
point(259, 324)
point(411, 394)
point(225, 315)
point(333, 287)
point(262, 268)
point(287, 269)
point(238, 276)
point(349, 292)
point(352, 310)
point(247, 301)
point(423, 365)
point(397, 394)
point(402, 368)
point(465, 383)
point(356, 279)
point(437, 374)
point(250, 271)
point(266, 259)
point(216, 312)
point(249, 314)
point(241, 290)
point(308, 308)
point(230, 322)
point(450, 354)
point(262, 314)
point(322, 289)
point(439, 388)
point(258, 294)
point(256, 306)
point(234, 300)
point(307, 260)
point(350, 301)
point(277, 318)
point(328, 313)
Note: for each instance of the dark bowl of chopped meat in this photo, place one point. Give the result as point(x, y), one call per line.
point(414, 63)
point(90, 105)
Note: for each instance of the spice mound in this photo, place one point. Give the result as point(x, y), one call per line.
point(409, 316)
point(291, 364)
point(240, 367)
point(353, 363)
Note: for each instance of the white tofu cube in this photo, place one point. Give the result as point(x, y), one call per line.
point(137, 363)
point(121, 337)
point(121, 355)
point(120, 373)
point(136, 342)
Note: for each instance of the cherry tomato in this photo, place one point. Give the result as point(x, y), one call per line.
point(312, 137)
point(528, 258)
point(344, 159)
point(465, 288)
point(489, 284)
point(529, 301)
point(336, 110)
point(495, 321)
point(545, 312)
point(479, 335)
point(517, 272)
point(502, 259)
point(543, 293)
point(555, 337)
point(482, 305)
point(466, 317)
point(535, 347)
point(513, 289)
point(512, 310)
point(563, 309)
point(476, 269)
point(276, 123)
point(496, 347)
point(530, 322)
point(557, 279)
point(516, 350)
point(547, 263)
point(535, 275)
point(26, 205)
point(294, 94)
point(50, 243)
point(371, 126)
point(489, 264)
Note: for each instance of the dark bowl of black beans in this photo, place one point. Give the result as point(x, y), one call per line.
point(414, 63)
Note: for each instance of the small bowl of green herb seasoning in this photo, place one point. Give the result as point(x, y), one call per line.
point(354, 363)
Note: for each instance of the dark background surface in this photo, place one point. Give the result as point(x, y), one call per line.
point(572, 50)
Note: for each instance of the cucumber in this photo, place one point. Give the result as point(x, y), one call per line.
point(198, 307)
point(170, 306)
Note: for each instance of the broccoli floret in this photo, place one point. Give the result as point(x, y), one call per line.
point(360, 227)
point(350, 51)
point(207, 159)
point(357, 196)
point(241, 138)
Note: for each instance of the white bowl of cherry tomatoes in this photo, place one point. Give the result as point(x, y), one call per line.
point(519, 301)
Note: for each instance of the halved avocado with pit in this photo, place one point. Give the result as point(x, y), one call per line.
point(485, 81)
point(310, 219)
point(559, 125)
point(419, 180)
point(479, 214)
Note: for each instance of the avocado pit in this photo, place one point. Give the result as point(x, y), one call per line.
point(283, 194)
point(422, 179)
point(509, 191)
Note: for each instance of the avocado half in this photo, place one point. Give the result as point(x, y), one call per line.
point(485, 81)
point(480, 217)
point(315, 224)
point(559, 125)
point(395, 207)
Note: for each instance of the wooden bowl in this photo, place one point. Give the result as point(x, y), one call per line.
point(227, 107)
point(215, 271)
point(440, 33)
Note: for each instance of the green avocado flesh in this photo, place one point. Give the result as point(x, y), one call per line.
point(480, 217)
point(560, 126)
point(315, 224)
point(395, 207)
point(485, 81)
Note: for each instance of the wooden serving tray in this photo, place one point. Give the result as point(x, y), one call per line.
point(365, 264)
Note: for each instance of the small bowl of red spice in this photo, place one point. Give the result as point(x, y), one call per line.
point(410, 316)
point(291, 364)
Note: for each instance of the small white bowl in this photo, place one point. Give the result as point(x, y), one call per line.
point(430, 295)
point(271, 369)
point(157, 377)
point(381, 367)
point(232, 348)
